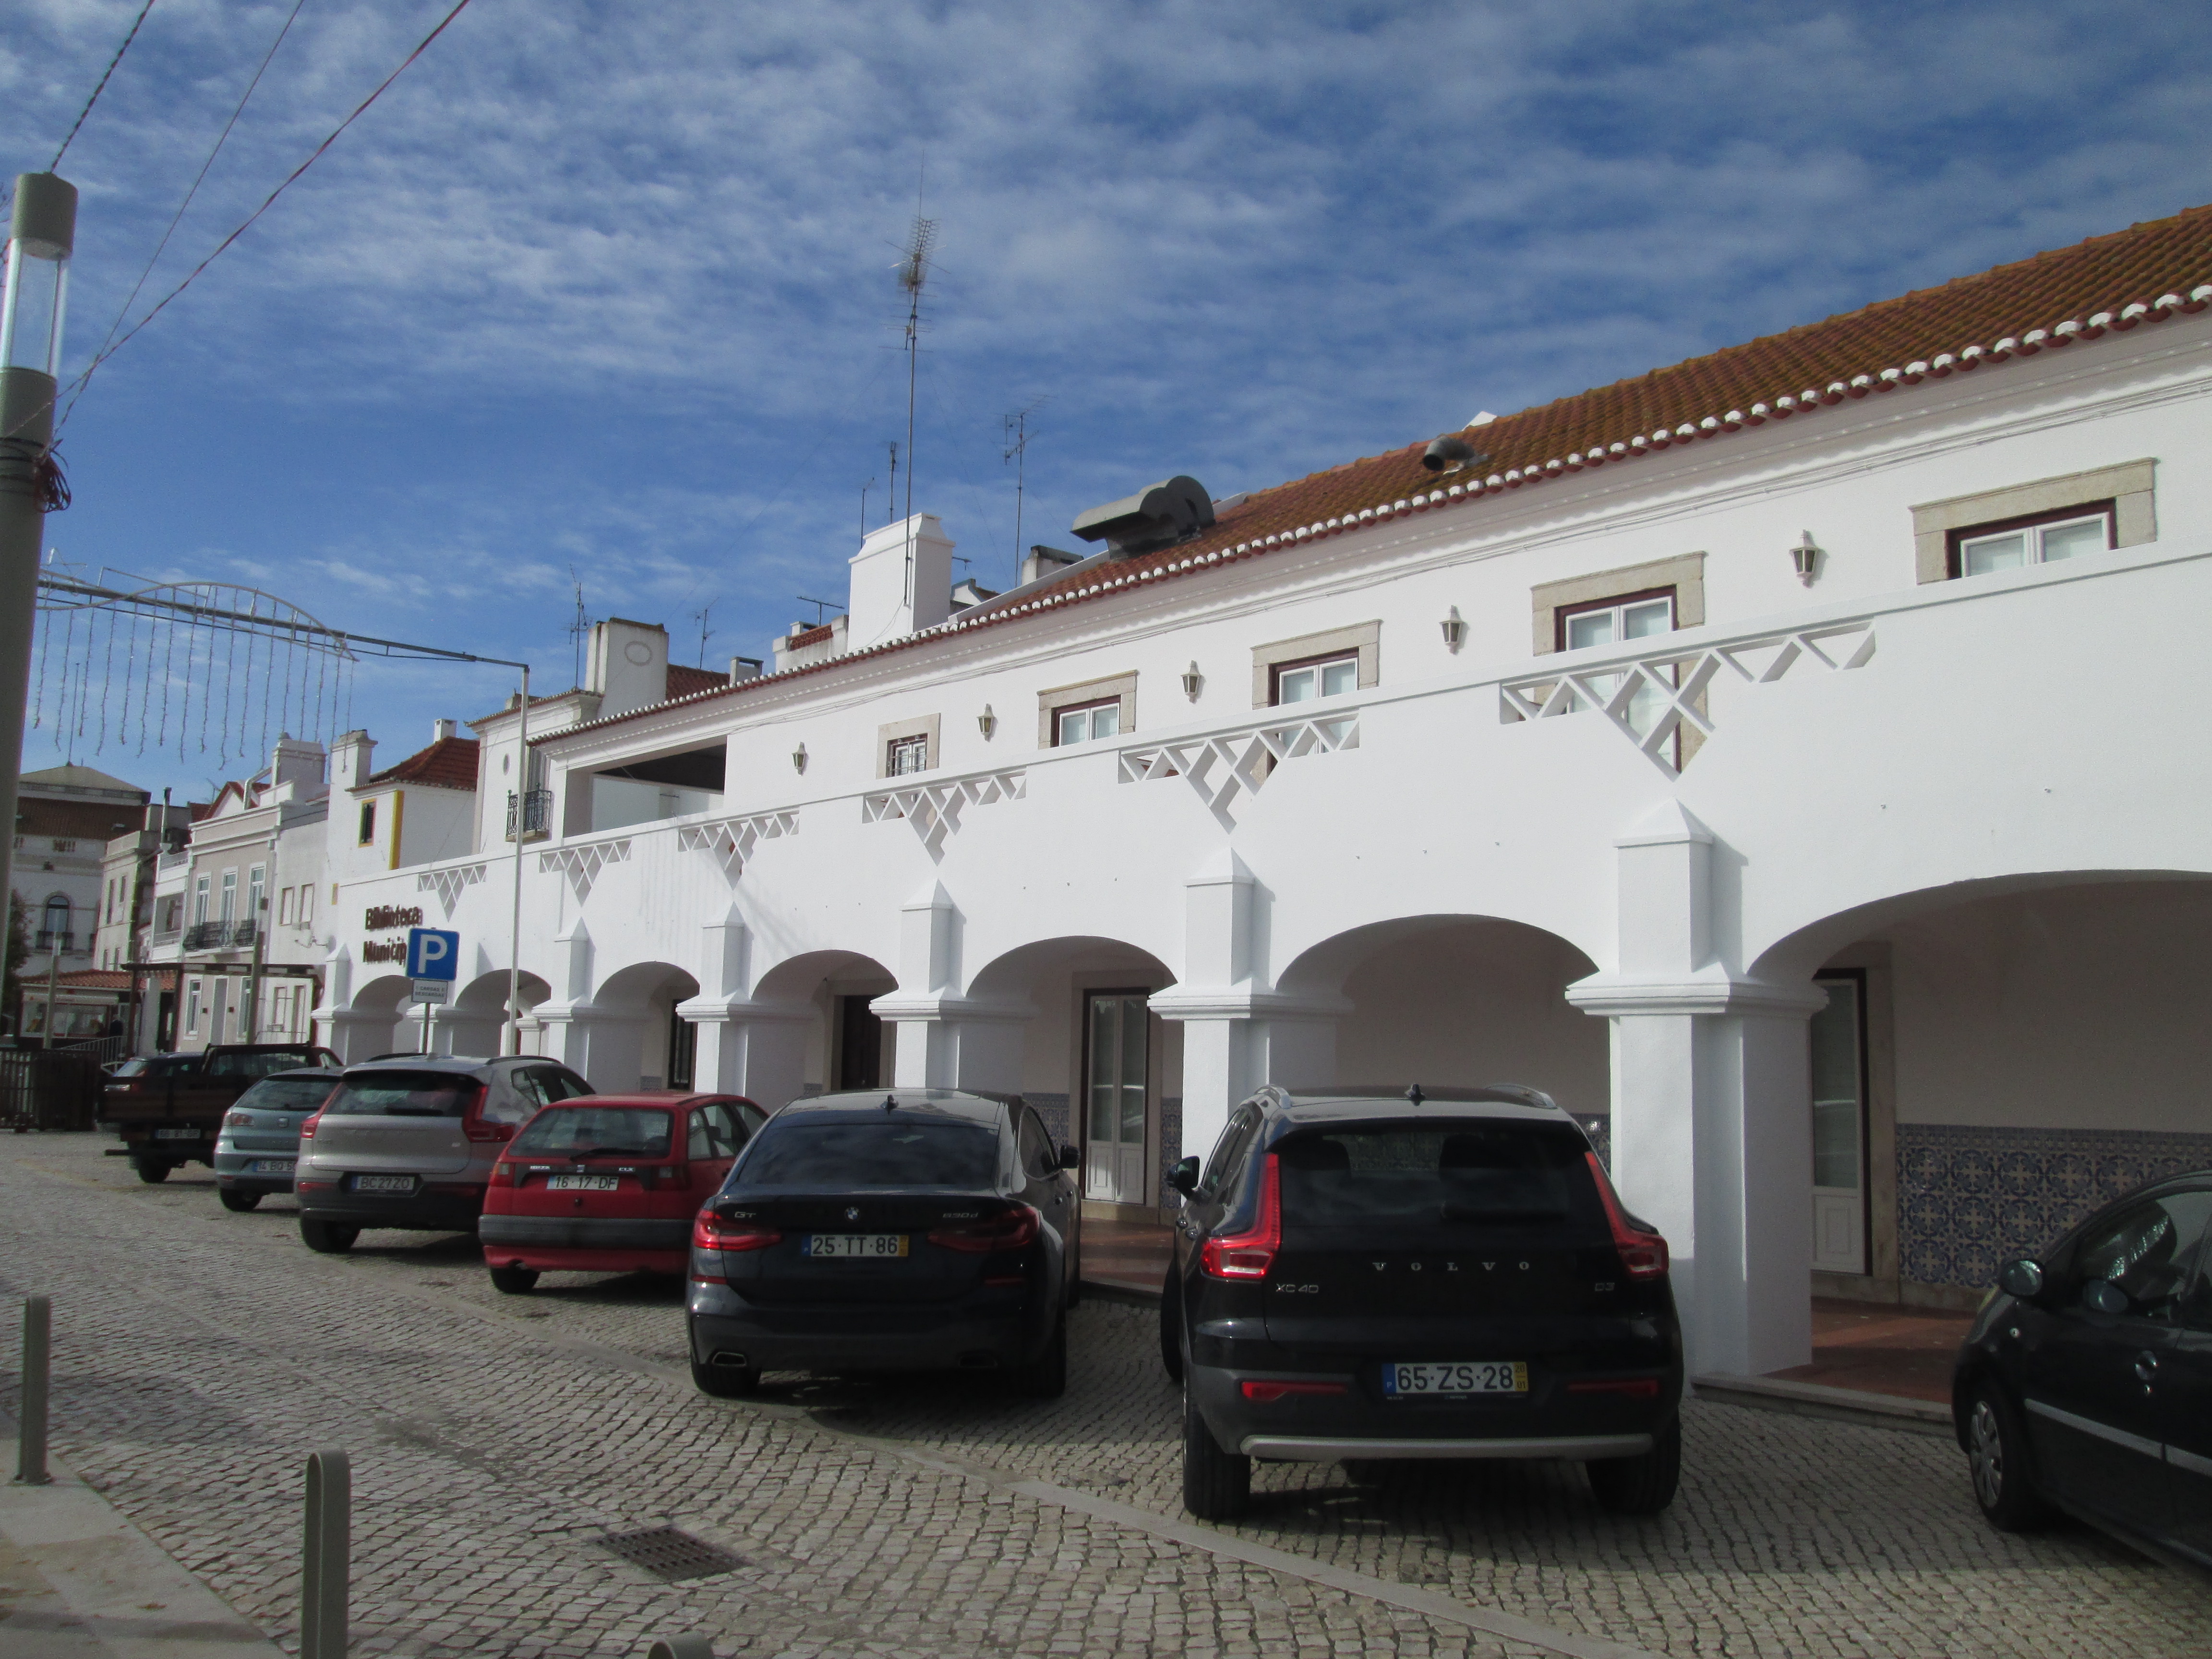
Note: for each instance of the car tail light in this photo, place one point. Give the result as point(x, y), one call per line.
point(676, 1175)
point(1636, 1388)
point(1643, 1251)
point(502, 1173)
point(1249, 1256)
point(238, 1120)
point(1267, 1393)
point(482, 1129)
point(719, 1232)
point(308, 1127)
point(1010, 1229)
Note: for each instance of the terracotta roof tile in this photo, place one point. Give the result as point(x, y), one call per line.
point(685, 682)
point(1969, 325)
point(448, 764)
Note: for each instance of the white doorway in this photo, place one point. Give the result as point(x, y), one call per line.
point(1837, 1045)
point(1116, 1062)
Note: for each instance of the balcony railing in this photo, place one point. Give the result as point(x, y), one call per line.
point(218, 935)
point(164, 937)
point(50, 940)
point(536, 813)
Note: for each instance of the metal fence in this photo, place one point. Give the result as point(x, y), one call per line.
point(42, 1089)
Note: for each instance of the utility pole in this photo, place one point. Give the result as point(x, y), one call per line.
point(33, 307)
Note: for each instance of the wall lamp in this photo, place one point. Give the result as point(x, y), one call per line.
point(1193, 681)
point(1455, 631)
point(1805, 557)
point(798, 758)
point(987, 722)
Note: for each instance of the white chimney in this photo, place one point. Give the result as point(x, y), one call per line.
point(441, 730)
point(902, 582)
point(628, 665)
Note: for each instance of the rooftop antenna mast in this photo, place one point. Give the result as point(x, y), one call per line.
point(1018, 448)
point(865, 488)
point(700, 615)
point(913, 272)
point(578, 628)
point(890, 503)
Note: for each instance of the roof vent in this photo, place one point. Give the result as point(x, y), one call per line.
point(1159, 516)
point(1450, 452)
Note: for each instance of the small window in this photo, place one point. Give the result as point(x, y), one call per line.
point(1327, 676)
point(1980, 548)
point(284, 907)
point(1087, 722)
point(2137, 1262)
point(307, 905)
point(905, 757)
point(1036, 1146)
point(1618, 621)
point(367, 823)
point(1228, 1151)
point(193, 1005)
point(200, 891)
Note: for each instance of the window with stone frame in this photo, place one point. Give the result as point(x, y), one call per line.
point(906, 755)
point(2034, 538)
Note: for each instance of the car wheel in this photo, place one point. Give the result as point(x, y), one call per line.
point(514, 1281)
point(232, 1198)
point(1171, 1325)
point(1996, 1457)
point(1217, 1486)
point(327, 1238)
point(1045, 1377)
point(152, 1170)
point(1643, 1485)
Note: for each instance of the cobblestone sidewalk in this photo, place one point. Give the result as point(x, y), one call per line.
point(201, 1354)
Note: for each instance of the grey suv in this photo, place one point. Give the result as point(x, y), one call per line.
point(410, 1142)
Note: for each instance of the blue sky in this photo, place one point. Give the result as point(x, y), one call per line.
point(611, 287)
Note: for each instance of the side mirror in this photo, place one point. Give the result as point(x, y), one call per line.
point(2102, 1296)
point(2022, 1278)
point(1183, 1176)
point(1071, 1157)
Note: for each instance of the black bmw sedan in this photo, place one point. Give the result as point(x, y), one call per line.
point(907, 1229)
point(2085, 1383)
point(1441, 1274)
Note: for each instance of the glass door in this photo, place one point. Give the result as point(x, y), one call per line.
point(1839, 1233)
point(1116, 1050)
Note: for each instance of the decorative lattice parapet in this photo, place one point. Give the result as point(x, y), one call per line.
point(1653, 695)
point(449, 885)
point(934, 809)
point(731, 840)
point(582, 865)
point(1225, 764)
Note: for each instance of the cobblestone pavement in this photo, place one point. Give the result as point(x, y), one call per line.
point(201, 1355)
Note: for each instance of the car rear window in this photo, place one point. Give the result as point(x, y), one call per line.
point(259, 1063)
point(900, 1152)
point(1474, 1173)
point(630, 1131)
point(403, 1094)
point(286, 1094)
point(157, 1066)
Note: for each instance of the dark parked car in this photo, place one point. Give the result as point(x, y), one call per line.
point(912, 1229)
point(260, 1142)
point(168, 1109)
point(609, 1184)
point(1361, 1274)
point(2085, 1383)
point(411, 1142)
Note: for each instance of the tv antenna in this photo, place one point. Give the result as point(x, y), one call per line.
point(1018, 447)
point(912, 274)
point(579, 628)
point(890, 504)
point(865, 488)
point(822, 607)
point(706, 633)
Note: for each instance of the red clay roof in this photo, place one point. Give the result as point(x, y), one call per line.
point(685, 682)
point(2051, 301)
point(448, 764)
point(97, 979)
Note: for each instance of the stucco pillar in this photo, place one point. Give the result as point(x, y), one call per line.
point(1711, 1107)
point(1212, 999)
point(925, 1053)
point(352, 1034)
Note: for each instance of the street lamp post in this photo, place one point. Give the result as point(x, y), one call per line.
point(33, 304)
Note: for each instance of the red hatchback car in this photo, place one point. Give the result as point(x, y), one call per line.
point(609, 1184)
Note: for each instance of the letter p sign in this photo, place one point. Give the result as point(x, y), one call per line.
point(433, 953)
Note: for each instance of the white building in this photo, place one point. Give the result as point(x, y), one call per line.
point(1787, 759)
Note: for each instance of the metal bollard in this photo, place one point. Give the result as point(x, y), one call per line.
point(326, 1561)
point(682, 1647)
point(38, 1367)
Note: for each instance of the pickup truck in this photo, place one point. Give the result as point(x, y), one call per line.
point(168, 1109)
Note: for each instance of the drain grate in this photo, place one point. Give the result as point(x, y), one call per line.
point(671, 1553)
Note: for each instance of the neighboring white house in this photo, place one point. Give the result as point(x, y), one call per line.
point(64, 817)
point(1789, 760)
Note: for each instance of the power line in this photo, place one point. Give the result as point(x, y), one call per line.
point(101, 87)
point(199, 179)
point(290, 178)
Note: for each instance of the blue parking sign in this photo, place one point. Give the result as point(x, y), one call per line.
point(433, 953)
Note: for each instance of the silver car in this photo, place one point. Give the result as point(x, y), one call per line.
point(410, 1142)
point(259, 1139)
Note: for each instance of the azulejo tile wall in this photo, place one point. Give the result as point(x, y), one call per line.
point(1971, 1198)
point(1053, 1109)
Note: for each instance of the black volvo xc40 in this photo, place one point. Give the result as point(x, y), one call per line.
point(898, 1229)
point(1370, 1275)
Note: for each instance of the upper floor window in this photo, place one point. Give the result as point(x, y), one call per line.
point(306, 913)
point(200, 888)
point(1617, 621)
point(905, 755)
point(1325, 677)
point(229, 896)
point(1087, 722)
point(1977, 550)
point(65, 844)
point(257, 892)
point(284, 908)
point(367, 833)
